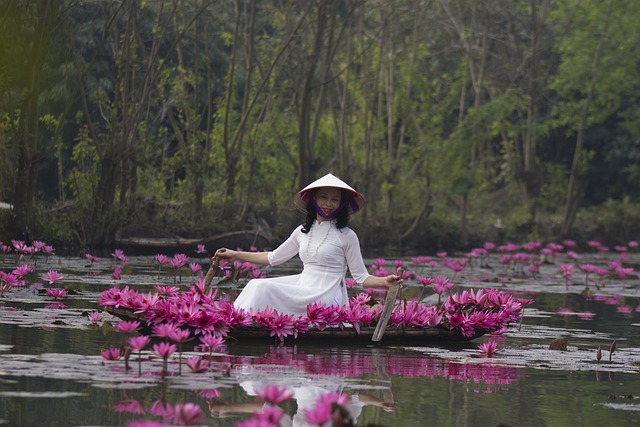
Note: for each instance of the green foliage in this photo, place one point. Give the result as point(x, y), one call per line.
point(552, 191)
point(599, 46)
point(56, 227)
point(186, 125)
point(616, 221)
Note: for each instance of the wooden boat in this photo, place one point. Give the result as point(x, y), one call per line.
point(392, 335)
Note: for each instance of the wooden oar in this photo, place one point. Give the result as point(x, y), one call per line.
point(389, 302)
point(381, 371)
point(212, 272)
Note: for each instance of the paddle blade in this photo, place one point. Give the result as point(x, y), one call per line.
point(389, 302)
point(211, 273)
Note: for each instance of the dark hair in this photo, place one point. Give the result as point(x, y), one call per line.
point(342, 217)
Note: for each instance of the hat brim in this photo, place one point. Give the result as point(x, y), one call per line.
point(355, 203)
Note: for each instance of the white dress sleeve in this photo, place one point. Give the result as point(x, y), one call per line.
point(353, 254)
point(287, 250)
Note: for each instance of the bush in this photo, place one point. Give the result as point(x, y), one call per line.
point(613, 222)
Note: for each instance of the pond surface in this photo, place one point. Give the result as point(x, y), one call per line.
point(52, 372)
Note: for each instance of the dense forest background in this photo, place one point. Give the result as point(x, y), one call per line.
point(460, 120)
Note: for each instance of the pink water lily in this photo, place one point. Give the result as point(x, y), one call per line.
point(397, 263)
point(55, 306)
point(164, 330)
point(20, 246)
point(167, 290)
point(111, 353)
point(321, 413)
point(378, 263)
point(161, 259)
point(164, 350)
point(179, 260)
point(118, 254)
point(139, 343)
point(92, 259)
point(567, 272)
point(573, 255)
point(127, 326)
point(441, 285)
point(94, 316)
point(212, 393)
point(269, 416)
point(622, 272)
point(131, 406)
point(179, 335)
point(281, 325)
point(161, 408)
point(489, 348)
point(8, 278)
point(421, 260)
point(187, 414)
point(274, 394)
point(117, 272)
point(22, 270)
point(52, 277)
point(211, 342)
point(56, 293)
point(257, 273)
point(197, 364)
point(195, 268)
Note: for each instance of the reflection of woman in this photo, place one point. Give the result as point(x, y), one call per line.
point(306, 397)
point(326, 246)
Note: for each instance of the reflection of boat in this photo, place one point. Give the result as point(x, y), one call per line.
point(347, 335)
point(355, 363)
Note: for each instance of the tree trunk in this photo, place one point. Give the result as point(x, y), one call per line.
point(529, 181)
point(574, 189)
point(29, 153)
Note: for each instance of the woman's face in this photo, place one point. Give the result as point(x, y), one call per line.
point(328, 199)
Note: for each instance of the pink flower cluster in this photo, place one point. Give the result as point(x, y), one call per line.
point(483, 310)
point(21, 248)
point(470, 311)
point(179, 414)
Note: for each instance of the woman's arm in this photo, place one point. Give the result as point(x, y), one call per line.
point(358, 269)
point(287, 250)
point(381, 282)
point(260, 258)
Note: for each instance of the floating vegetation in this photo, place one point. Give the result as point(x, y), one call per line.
point(589, 302)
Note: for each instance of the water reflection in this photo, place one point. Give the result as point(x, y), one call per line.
point(51, 371)
point(361, 377)
point(354, 363)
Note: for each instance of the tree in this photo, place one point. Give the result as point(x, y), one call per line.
point(33, 83)
point(596, 45)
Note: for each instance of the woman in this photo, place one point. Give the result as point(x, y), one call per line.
point(326, 246)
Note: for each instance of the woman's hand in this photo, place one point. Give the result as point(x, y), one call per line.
point(392, 279)
point(225, 254)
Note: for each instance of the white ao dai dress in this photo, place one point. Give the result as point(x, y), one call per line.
point(326, 253)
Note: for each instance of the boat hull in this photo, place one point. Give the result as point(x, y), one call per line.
point(410, 336)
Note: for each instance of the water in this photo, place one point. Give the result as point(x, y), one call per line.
point(52, 374)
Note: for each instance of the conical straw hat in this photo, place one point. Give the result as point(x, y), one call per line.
point(354, 204)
